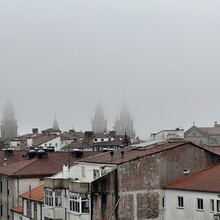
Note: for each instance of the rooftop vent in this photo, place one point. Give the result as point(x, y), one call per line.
point(77, 152)
point(32, 154)
point(41, 154)
point(9, 151)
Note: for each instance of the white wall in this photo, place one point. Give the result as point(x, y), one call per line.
point(53, 143)
point(76, 171)
point(189, 211)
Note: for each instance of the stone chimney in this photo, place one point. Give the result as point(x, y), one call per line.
point(88, 137)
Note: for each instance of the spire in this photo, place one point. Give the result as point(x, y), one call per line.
point(99, 122)
point(55, 124)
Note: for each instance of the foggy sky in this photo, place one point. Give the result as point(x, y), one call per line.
point(63, 57)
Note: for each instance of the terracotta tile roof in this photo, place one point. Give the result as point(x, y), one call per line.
point(131, 153)
point(18, 209)
point(6, 158)
point(41, 167)
point(207, 180)
point(42, 138)
point(36, 194)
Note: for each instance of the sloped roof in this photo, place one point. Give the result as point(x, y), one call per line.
point(132, 153)
point(11, 158)
point(18, 209)
point(41, 167)
point(207, 180)
point(205, 130)
point(36, 194)
point(210, 130)
point(43, 138)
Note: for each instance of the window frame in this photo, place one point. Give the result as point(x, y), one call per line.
point(79, 203)
point(218, 205)
point(48, 197)
point(180, 202)
point(199, 204)
point(58, 201)
point(212, 205)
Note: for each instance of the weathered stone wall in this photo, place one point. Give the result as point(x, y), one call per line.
point(138, 184)
point(104, 195)
point(173, 162)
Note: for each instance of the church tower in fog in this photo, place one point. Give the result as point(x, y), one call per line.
point(9, 125)
point(99, 122)
point(124, 124)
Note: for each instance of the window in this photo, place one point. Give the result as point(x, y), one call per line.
point(28, 208)
point(79, 203)
point(180, 202)
point(218, 205)
point(96, 174)
point(58, 197)
point(83, 171)
point(74, 203)
point(212, 205)
point(199, 204)
point(48, 197)
point(35, 210)
point(85, 204)
point(163, 203)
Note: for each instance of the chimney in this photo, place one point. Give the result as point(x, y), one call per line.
point(122, 154)
point(34, 130)
point(29, 191)
point(113, 133)
point(112, 153)
point(88, 137)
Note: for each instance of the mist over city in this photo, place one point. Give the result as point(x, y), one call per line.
point(62, 58)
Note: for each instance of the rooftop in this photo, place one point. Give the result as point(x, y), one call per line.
point(207, 180)
point(133, 152)
point(42, 167)
point(36, 194)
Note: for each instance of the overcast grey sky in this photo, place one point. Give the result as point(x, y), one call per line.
point(62, 57)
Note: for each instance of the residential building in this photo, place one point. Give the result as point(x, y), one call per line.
point(32, 205)
point(194, 197)
point(99, 122)
point(9, 125)
point(126, 183)
point(204, 135)
point(47, 139)
point(33, 167)
point(168, 134)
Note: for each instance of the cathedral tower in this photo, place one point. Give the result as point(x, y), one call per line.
point(55, 124)
point(99, 122)
point(8, 124)
point(124, 124)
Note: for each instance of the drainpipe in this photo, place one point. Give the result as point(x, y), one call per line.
point(114, 208)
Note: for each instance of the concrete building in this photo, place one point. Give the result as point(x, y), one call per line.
point(30, 170)
point(99, 122)
point(194, 197)
point(204, 135)
point(9, 125)
point(168, 134)
point(126, 183)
